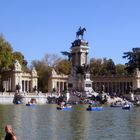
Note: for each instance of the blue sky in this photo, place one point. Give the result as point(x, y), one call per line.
point(37, 27)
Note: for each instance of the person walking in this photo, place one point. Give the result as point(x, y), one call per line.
point(10, 135)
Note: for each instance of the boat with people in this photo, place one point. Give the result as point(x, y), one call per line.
point(137, 103)
point(64, 106)
point(18, 102)
point(116, 104)
point(99, 108)
point(94, 108)
point(32, 102)
point(127, 106)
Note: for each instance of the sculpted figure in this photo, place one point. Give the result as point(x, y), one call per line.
point(80, 32)
point(17, 65)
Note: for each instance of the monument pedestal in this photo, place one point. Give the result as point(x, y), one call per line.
point(81, 83)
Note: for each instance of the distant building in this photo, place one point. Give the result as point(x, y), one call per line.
point(57, 82)
point(109, 84)
point(16, 79)
point(117, 84)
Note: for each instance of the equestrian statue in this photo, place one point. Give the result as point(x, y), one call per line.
point(80, 32)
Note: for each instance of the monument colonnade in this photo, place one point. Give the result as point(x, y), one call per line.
point(16, 79)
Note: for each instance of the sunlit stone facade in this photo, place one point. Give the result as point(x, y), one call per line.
point(26, 80)
point(57, 83)
point(117, 84)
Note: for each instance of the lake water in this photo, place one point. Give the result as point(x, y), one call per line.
point(44, 122)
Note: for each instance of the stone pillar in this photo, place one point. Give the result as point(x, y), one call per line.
point(79, 58)
point(67, 85)
point(9, 84)
point(22, 85)
point(86, 57)
point(73, 59)
point(63, 86)
point(26, 86)
point(59, 88)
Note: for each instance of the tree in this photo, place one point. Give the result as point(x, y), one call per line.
point(19, 56)
point(133, 58)
point(43, 72)
point(121, 69)
point(110, 67)
point(6, 57)
point(102, 67)
point(95, 66)
point(51, 59)
point(44, 68)
point(63, 67)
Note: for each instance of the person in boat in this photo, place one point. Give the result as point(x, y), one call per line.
point(126, 104)
point(33, 101)
point(138, 102)
point(90, 106)
point(29, 103)
point(10, 135)
point(62, 104)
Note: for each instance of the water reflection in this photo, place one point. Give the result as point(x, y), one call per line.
point(45, 122)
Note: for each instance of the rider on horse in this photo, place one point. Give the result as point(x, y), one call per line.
point(80, 32)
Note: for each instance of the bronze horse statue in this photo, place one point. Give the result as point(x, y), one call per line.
point(80, 32)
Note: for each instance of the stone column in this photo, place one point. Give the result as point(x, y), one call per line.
point(86, 57)
point(27, 86)
point(9, 84)
point(23, 85)
point(62, 86)
point(79, 58)
point(73, 59)
point(59, 88)
point(67, 85)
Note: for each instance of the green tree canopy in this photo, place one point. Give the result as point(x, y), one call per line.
point(44, 68)
point(110, 66)
point(105, 66)
point(133, 58)
point(63, 67)
point(8, 56)
point(43, 72)
point(121, 69)
point(95, 66)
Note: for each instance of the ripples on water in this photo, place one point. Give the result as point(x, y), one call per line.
point(44, 122)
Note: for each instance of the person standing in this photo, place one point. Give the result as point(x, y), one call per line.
point(10, 135)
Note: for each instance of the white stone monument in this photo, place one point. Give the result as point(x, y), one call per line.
point(79, 78)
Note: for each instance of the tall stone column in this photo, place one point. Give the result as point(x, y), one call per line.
point(59, 88)
point(86, 57)
point(79, 58)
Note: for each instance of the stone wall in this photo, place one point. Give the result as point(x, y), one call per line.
point(7, 98)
